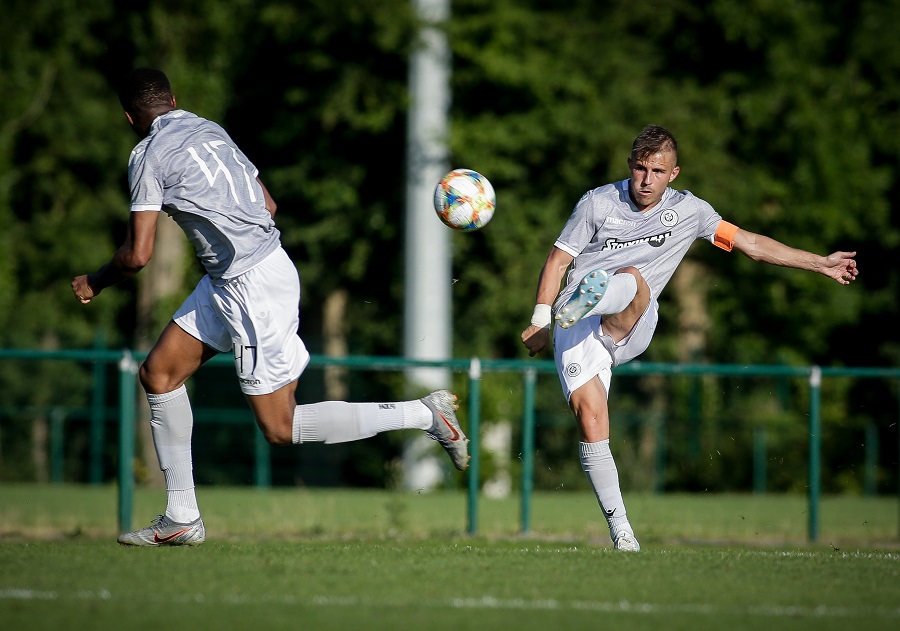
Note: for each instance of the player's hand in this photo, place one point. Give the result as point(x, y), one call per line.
point(841, 266)
point(536, 339)
point(82, 289)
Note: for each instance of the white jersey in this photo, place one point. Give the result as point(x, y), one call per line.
point(190, 167)
point(607, 231)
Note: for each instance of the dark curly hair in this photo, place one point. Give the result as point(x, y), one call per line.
point(144, 89)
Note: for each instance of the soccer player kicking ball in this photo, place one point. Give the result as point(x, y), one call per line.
point(621, 246)
point(247, 304)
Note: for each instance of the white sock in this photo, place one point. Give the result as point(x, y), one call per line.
point(600, 468)
point(620, 291)
point(171, 423)
point(341, 422)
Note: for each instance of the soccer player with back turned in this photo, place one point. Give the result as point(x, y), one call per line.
point(246, 304)
point(620, 247)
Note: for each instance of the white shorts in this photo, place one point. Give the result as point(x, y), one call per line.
point(583, 351)
point(256, 316)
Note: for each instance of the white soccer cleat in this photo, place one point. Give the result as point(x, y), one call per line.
point(165, 532)
point(445, 428)
point(590, 291)
point(626, 542)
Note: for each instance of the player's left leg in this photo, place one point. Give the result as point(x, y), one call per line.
point(589, 403)
point(174, 358)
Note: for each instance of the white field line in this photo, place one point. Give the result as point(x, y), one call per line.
point(482, 603)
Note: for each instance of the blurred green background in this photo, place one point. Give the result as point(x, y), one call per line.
point(788, 124)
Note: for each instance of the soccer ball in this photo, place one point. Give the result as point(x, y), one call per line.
point(464, 200)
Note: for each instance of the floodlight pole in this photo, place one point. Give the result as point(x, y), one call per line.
point(427, 330)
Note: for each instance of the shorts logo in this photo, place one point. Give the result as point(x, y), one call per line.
point(669, 218)
point(573, 370)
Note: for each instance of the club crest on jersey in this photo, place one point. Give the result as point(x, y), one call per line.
point(573, 369)
point(668, 218)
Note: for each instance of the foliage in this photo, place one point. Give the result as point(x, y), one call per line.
point(787, 114)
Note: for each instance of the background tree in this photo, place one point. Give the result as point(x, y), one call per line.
point(787, 117)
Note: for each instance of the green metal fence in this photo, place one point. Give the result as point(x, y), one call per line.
point(128, 362)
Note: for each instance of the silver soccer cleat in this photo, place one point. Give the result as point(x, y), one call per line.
point(445, 428)
point(164, 532)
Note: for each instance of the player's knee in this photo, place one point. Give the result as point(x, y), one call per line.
point(154, 381)
point(276, 430)
point(643, 289)
point(633, 271)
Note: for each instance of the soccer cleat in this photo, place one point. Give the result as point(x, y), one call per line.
point(626, 542)
point(590, 291)
point(165, 532)
point(445, 428)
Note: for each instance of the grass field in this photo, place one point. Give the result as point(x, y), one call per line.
point(287, 558)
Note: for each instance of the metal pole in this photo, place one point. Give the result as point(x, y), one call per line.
point(127, 393)
point(98, 413)
point(528, 449)
point(815, 447)
point(427, 250)
point(474, 443)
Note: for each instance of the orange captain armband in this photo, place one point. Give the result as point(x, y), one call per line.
point(724, 237)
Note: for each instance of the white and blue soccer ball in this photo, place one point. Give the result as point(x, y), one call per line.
point(464, 200)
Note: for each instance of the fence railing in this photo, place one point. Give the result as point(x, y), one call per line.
point(127, 362)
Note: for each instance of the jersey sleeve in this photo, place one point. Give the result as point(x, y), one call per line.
point(715, 229)
point(145, 182)
point(584, 222)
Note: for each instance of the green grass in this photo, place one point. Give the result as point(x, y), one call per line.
point(73, 511)
point(386, 560)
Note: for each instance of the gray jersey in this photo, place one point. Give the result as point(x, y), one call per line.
point(607, 231)
point(190, 167)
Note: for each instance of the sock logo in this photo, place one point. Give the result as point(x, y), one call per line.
point(610, 513)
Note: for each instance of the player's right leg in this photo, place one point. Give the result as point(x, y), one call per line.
point(270, 357)
point(333, 422)
point(589, 293)
point(621, 297)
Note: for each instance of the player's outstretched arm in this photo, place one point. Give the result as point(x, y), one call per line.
point(841, 266)
point(129, 259)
